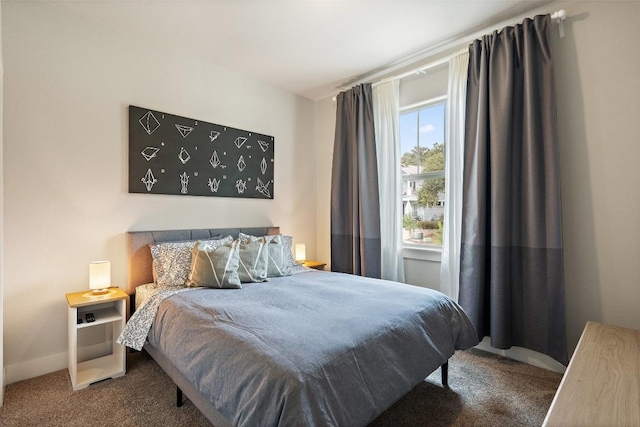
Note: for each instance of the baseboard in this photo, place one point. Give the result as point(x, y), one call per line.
point(55, 362)
point(523, 355)
point(2, 382)
point(35, 367)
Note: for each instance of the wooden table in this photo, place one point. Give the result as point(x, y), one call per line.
point(602, 384)
point(318, 265)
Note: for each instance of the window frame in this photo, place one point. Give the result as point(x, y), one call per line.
point(431, 102)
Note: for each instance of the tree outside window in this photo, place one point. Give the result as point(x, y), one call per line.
point(422, 165)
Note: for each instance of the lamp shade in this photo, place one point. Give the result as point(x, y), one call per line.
point(99, 275)
point(301, 252)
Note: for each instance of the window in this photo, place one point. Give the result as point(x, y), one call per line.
point(422, 167)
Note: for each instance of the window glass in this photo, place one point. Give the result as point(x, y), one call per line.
point(422, 165)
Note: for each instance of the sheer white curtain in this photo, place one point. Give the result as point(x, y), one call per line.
point(386, 111)
point(454, 163)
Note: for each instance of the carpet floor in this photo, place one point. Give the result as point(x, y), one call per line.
point(485, 390)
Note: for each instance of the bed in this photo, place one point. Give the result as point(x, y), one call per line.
point(314, 348)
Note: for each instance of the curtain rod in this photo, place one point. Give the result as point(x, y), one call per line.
point(430, 65)
point(558, 16)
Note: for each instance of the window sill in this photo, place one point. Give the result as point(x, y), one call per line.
point(422, 253)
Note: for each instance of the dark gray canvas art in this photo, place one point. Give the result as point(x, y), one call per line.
point(170, 154)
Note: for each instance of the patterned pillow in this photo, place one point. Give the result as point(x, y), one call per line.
point(254, 258)
point(172, 261)
point(293, 266)
point(215, 265)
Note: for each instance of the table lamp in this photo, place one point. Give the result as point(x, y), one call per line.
point(301, 253)
point(99, 277)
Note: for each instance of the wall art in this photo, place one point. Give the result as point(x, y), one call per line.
point(170, 154)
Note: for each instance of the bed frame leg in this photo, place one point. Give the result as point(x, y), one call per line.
point(444, 370)
point(178, 397)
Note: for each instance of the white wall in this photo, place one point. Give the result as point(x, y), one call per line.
point(325, 132)
point(1, 228)
point(597, 69)
point(423, 87)
point(68, 84)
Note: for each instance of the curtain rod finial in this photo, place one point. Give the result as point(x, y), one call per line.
point(559, 16)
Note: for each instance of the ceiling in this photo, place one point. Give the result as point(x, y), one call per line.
point(308, 47)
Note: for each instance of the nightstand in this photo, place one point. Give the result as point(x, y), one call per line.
point(88, 364)
point(314, 264)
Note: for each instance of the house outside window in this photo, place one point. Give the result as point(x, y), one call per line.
point(422, 166)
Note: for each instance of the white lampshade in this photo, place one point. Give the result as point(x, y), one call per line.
point(301, 252)
point(99, 275)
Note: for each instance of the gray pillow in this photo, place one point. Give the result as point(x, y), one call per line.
point(172, 261)
point(215, 265)
point(278, 263)
point(254, 258)
point(281, 261)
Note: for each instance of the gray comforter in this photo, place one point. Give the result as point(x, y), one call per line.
point(313, 349)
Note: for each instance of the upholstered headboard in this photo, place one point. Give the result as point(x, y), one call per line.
point(139, 255)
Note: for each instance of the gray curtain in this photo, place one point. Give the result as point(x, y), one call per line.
point(511, 274)
point(355, 210)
